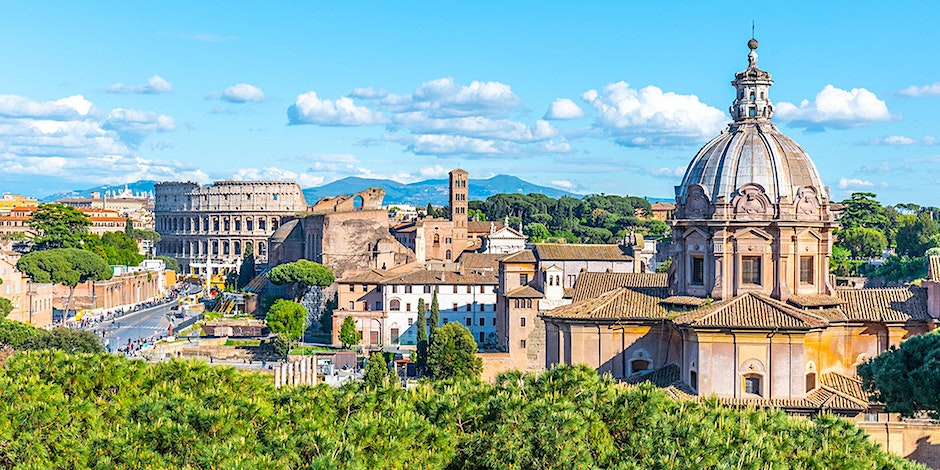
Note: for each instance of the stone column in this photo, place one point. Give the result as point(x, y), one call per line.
point(277, 377)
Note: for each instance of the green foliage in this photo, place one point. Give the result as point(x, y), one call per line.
point(452, 353)
point(664, 266)
point(435, 321)
point(103, 411)
point(247, 270)
point(14, 334)
point(302, 274)
point(287, 319)
point(864, 242)
point(901, 268)
point(66, 266)
point(348, 334)
point(906, 379)
point(422, 326)
point(59, 226)
point(915, 234)
point(377, 374)
point(862, 210)
point(116, 248)
point(5, 307)
point(171, 263)
point(281, 345)
point(595, 219)
point(21, 336)
point(66, 340)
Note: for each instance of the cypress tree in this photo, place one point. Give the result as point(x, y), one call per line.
point(422, 326)
point(435, 320)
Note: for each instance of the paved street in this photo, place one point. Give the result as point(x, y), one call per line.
point(142, 325)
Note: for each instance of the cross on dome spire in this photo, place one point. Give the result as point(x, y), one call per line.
point(752, 103)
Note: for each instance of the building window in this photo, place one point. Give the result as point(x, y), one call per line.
point(750, 270)
point(407, 289)
point(468, 321)
point(522, 343)
point(447, 254)
point(482, 322)
point(427, 289)
point(410, 321)
point(481, 337)
point(693, 380)
point(352, 288)
point(521, 321)
point(455, 306)
point(352, 305)
point(523, 279)
point(394, 305)
point(639, 365)
point(810, 381)
point(445, 321)
point(698, 270)
point(469, 307)
point(455, 289)
point(408, 308)
point(394, 289)
point(752, 384)
point(528, 303)
point(806, 269)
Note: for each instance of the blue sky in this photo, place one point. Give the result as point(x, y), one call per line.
point(593, 97)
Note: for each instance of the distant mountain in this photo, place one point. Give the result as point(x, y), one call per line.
point(145, 186)
point(434, 191)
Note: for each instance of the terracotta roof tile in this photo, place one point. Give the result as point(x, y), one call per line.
point(933, 268)
point(685, 300)
point(524, 292)
point(580, 252)
point(623, 303)
point(751, 310)
point(590, 285)
point(845, 386)
point(817, 300)
point(429, 277)
point(480, 261)
point(890, 304)
point(524, 256)
point(477, 226)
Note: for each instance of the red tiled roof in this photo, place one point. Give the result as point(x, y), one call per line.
point(818, 300)
point(590, 285)
point(889, 304)
point(624, 303)
point(524, 256)
point(751, 311)
point(524, 292)
point(580, 252)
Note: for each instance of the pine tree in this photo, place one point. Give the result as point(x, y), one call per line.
point(422, 326)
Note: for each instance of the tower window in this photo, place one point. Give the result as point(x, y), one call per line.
point(752, 384)
point(806, 269)
point(698, 270)
point(750, 270)
point(751, 112)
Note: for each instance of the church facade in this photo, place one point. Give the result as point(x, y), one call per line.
point(747, 311)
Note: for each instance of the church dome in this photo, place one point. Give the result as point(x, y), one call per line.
point(752, 151)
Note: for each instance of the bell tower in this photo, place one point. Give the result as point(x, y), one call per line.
point(459, 191)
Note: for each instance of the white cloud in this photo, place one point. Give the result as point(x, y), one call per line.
point(556, 147)
point(368, 93)
point(135, 125)
point(305, 180)
point(649, 116)
point(331, 161)
point(666, 172)
point(243, 93)
point(563, 108)
point(919, 91)
point(475, 126)
point(434, 171)
point(563, 184)
point(155, 85)
point(900, 140)
point(845, 183)
point(835, 108)
point(310, 109)
point(443, 97)
point(73, 107)
point(438, 144)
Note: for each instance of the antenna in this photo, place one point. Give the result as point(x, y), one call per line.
point(752, 29)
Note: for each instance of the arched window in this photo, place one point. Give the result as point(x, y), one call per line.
point(810, 381)
point(394, 305)
point(262, 249)
point(447, 254)
point(639, 365)
point(238, 248)
point(261, 225)
point(437, 239)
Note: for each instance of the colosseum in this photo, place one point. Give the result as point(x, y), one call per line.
point(209, 227)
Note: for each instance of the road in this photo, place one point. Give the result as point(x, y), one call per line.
point(141, 325)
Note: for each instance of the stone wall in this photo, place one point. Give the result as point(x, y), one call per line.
point(917, 441)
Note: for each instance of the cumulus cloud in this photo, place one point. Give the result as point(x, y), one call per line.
point(368, 93)
point(305, 180)
point(331, 161)
point(563, 184)
point(434, 171)
point(444, 97)
point(135, 125)
point(846, 183)
point(555, 147)
point(475, 126)
point(900, 140)
point(310, 109)
point(649, 116)
point(155, 85)
point(919, 91)
point(563, 108)
point(72, 107)
point(438, 144)
point(243, 93)
point(835, 108)
point(666, 172)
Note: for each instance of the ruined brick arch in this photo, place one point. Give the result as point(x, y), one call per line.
point(370, 199)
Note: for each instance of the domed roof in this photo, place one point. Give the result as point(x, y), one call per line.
point(751, 150)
